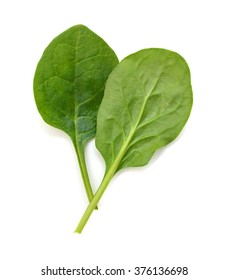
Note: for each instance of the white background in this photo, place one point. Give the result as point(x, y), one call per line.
point(173, 212)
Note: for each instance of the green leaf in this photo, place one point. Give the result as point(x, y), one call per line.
point(147, 101)
point(69, 85)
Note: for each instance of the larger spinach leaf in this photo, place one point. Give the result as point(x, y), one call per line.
point(147, 101)
point(69, 85)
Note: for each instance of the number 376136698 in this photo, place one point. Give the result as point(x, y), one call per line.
point(143, 270)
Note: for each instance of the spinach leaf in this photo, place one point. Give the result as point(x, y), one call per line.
point(147, 101)
point(69, 85)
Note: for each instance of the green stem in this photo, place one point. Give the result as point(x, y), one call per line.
point(106, 180)
point(83, 168)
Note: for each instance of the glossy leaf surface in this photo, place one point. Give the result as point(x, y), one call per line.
point(69, 81)
point(69, 85)
point(147, 101)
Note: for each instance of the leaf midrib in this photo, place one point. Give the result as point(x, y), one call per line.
point(76, 105)
point(113, 168)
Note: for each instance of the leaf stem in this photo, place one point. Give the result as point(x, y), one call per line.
point(83, 169)
point(106, 180)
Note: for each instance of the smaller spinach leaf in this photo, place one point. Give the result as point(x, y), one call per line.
point(69, 85)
